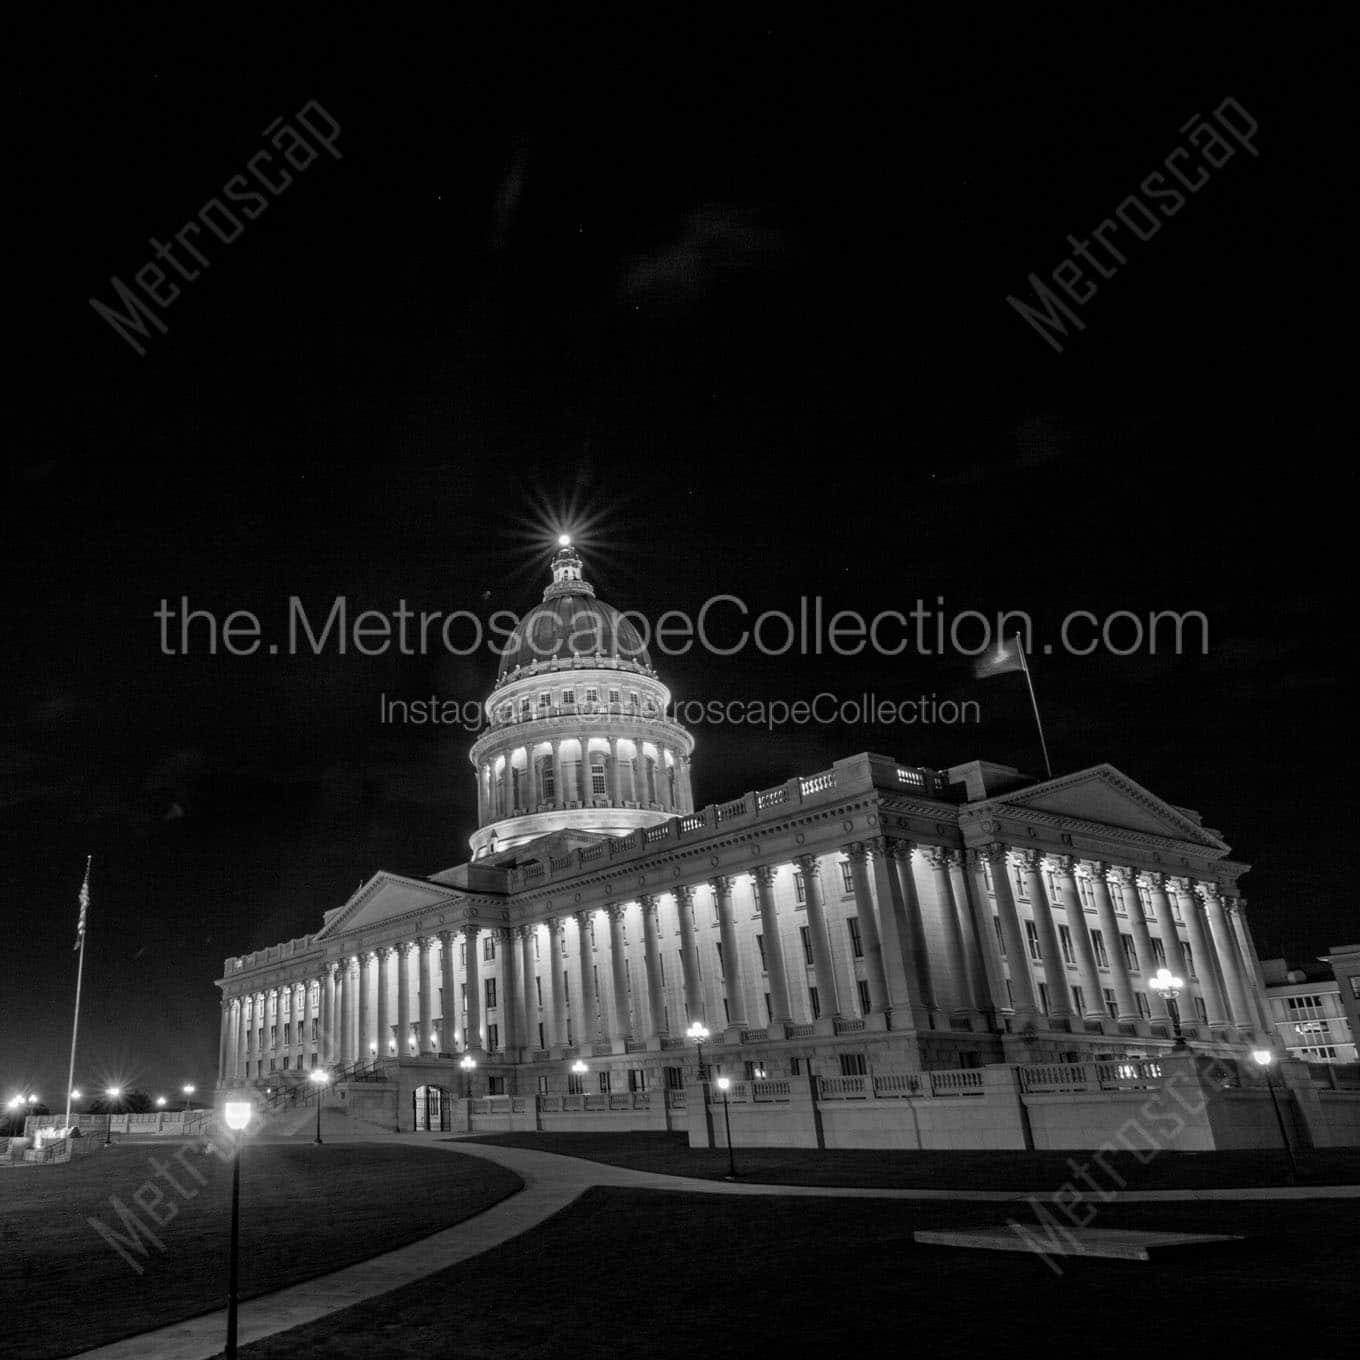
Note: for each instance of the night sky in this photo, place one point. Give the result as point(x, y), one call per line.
point(727, 302)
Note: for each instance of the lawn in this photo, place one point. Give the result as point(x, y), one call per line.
point(305, 1211)
point(671, 1155)
point(673, 1276)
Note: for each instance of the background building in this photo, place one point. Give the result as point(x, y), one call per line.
point(1309, 1008)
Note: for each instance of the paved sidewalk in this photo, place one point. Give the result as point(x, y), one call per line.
point(551, 1182)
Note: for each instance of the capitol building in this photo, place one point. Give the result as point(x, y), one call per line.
point(876, 921)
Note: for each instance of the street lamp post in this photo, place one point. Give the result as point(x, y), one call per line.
point(467, 1064)
point(1169, 986)
point(698, 1033)
point(320, 1078)
point(724, 1083)
point(110, 1095)
point(188, 1088)
point(237, 1114)
point(1265, 1059)
point(579, 1070)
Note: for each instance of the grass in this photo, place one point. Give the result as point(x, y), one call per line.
point(673, 1276)
point(304, 1211)
point(670, 1155)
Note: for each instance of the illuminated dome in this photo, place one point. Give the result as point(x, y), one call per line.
point(572, 623)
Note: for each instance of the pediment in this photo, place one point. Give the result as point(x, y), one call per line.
point(385, 897)
point(1103, 795)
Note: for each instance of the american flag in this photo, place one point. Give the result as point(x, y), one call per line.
point(84, 904)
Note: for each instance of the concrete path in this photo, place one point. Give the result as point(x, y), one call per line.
point(551, 1182)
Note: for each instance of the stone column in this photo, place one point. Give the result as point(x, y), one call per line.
point(223, 1041)
point(619, 972)
point(955, 938)
point(988, 979)
point(448, 1008)
point(474, 988)
point(531, 775)
point(555, 981)
point(1221, 933)
point(780, 1014)
point(727, 933)
point(328, 1014)
point(1114, 946)
point(823, 964)
point(651, 948)
point(528, 998)
point(912, 941)
point(1251, 963)
point(689, 954)
point(508, 994)
point(1142, 942)
point(1055, 969)
point(424, 996)
point(893, 930)
point(383, 1021)
point(1204, 977)
point(615, 774)
point(663, 787)
point(1070, 897)
point(589, 1030)
point(559, 788)
point(1017, 955)
point(365, 1006)
point(347, 998)
point(301, 1037)
point(404, 999)
point(874, 974)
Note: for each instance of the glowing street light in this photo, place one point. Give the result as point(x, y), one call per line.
point(699, 1034)
point(113, 1093)
point(724, 1084)
point(188, 1088)
point(160, 1102)
point(1265, 1059)
point(467, 1064)
point(1167, 985)
point(320, 1079)
point(237, 1114)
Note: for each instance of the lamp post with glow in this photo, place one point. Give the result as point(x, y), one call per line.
point(237, 1113)
point(188, 1089)
point(1265, 1059)
point(112, 1094)
point(724, 1084)
point(1168, 986)
point(160, 1102)
point(698, 1033)
point(320, 1079)
point(467, 1064)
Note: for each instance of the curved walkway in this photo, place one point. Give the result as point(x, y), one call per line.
point(551, 1182)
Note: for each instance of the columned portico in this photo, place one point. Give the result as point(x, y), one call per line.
point(912, 936)
point(1142, 943)
point(589, 1023)
point(1116, 961)
point(424, 998)
point(822, 962)
point(1059, 1006)
point(731, 957)
point(473, 1014)
point(1225, 950)
point(618, 968)
point(1201, 967)
point(780, 1014)
point(656, 1000)
point(880, 1004)
point(962, 1007)
point(1093, 1008)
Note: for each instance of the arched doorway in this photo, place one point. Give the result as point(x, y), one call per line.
point(431, 1109)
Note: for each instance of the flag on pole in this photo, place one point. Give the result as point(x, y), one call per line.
point(1005, 656)
point(84, 905)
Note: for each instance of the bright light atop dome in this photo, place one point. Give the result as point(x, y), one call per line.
point(564, 540)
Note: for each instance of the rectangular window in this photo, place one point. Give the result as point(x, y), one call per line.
point(722, 969)
point(814, 1003)
point(674, 1077)
point(285, 1062)
point(566, 991)
point(637, 1078)
point(727, 1012)
point(535, 940)
point(1111, 1004)
point(863, 989)
point(800, 890)
point(543, 1085)
point(795, 1067)
point(592, 695)
point(316, 1029)
point(1065, 942)
point(1043, 999)
point(544, 700)
point(1098, 945)
point(1078, 1001)
point(273, 1036)
point(847, 879)
point(1158, 952)
point(462, 954)
point(597, 786)
point(462, 991)
point(538, 990)
point(1000, 936)
point(760, 946)
point(1032, 941)
point(493, 1042)
point(769, 1013)
point(1143, 1008)
point(1189, 959)
point(805, 935)
point(853, 1065)
point(1130, 953)
point(575, 1084)
point(488, 948)
point(1201, 1010)
point(604, 1082)
point(541, 1044)
point(856, 944)
point(489, 986)
point(568, 696)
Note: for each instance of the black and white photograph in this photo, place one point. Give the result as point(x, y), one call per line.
point(675, 683)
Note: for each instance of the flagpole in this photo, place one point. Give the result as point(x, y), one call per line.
point(80, 975)
point(1034, 703)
